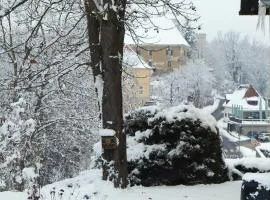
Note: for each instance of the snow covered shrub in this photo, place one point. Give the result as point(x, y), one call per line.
point(238, 167)
point(138, 120)
point(31, 177)
point(15, 147)
point(180, 145)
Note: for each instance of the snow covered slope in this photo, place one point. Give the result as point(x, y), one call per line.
point(89, 185)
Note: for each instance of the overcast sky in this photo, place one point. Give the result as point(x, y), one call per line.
point(222, 15)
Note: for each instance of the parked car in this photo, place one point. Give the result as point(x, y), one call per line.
point(150, 103)
point(264, 136)
point(153, 103)
point(255, 186)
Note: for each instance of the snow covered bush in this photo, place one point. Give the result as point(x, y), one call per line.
point(31, 177)
point(179, 145)
point(16, 151)
point(238, 167)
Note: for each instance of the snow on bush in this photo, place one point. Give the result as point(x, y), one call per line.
point(15, 148)
point(238, 167)
point(262, 179)
point(29, 173)
point(180, 145)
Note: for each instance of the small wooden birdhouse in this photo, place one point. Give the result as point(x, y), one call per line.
point(108, 139)
point(108, 142)
point(251, 7)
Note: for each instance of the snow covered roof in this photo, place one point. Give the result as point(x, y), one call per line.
point(236, 95)
point(239, 97)
point(162, 31)
point(132, 59)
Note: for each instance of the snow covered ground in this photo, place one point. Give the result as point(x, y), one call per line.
point(247, 152)
point(211, 108)
point(89, 185)
point(13, 195)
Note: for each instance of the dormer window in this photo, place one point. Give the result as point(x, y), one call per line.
point(252, 102)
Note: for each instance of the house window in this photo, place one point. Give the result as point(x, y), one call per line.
point(181, 52)
point(150, 52)
point(253, 103)
point(141, 90)
point(169, 52)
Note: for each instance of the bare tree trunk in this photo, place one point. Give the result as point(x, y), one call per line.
point(106, 38)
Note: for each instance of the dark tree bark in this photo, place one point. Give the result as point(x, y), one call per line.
point(106, 39)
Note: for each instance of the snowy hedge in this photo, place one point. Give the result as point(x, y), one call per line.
point(180, 145)
point(238, 167)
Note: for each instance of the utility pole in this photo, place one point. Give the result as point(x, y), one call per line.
point(240, 131)
point(171, 93)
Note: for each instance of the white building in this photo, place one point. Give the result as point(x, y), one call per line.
point(246, 110)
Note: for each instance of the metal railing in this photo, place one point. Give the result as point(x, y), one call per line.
point(240, 120)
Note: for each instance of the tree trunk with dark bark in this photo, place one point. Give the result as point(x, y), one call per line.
point(106, 38)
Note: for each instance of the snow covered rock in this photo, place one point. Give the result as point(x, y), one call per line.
point(180, 145)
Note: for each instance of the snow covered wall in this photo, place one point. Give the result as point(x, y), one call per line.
point(179, 145)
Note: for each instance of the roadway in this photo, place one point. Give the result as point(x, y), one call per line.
point(230, 148)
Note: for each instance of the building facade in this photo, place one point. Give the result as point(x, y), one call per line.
point(162, 46)
point(246, 111)
point(163, 57)
point(136, 80)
